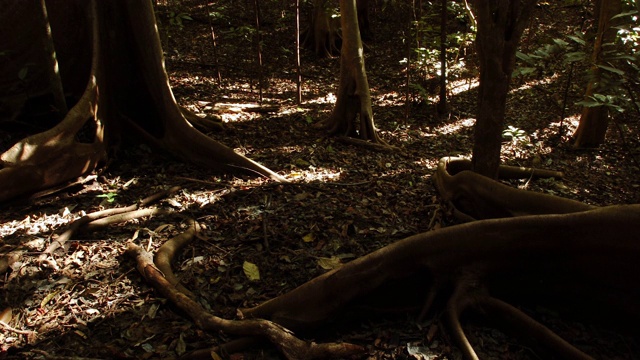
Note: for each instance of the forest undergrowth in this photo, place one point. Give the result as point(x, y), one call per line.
point(342, 201)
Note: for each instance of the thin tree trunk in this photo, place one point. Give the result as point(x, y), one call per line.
point(594, 121)
point(500, 27)
point(298, 68)
point(442, 102)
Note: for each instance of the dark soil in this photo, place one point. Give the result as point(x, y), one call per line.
point(343, 200)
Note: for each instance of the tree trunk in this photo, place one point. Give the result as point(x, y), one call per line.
point(126, 93)
point(322, 34)
point(362, 7)
point(500, 26)
point(594, 120)
point(352, 115)
point(442, 101)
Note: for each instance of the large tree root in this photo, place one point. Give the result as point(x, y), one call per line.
point(291, 346)
point(585, 253)
point(150, 87)
point(592, 251)
point(164, 256)
point(474, 196)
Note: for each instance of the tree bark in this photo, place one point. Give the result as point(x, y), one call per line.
point(500, 27)
point(594, 121)
point(322, 34)
point(127, 95)
point(352, 114)
point(363, 18)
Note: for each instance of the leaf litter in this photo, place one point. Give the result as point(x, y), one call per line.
point(342, 202)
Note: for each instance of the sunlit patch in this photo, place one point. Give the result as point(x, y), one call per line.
point(330, 98)
point(460, 86)
point(455, 126)
point(313, 174)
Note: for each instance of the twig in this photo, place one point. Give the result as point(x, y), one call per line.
point(89, 218)
point(8, 327)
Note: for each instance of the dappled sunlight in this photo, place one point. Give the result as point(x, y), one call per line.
point(454, 126)
point(332, 199)
point(531, 83)
point(329, 98)
point(459, 86)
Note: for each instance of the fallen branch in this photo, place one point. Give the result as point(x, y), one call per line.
point(105, 217)
point(8, 327)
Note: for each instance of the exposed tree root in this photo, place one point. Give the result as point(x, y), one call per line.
point(127, 94)
point(291, 346)
point(382, 147)
point(586, 252)
point(205, 124)
point(594, 251)
point(171, 131)
point(474, 196)
point(164, 256)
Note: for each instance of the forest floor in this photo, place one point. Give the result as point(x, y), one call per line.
point(343, 200)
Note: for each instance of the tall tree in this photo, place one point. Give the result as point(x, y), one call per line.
point(110, 57)
point(594, 119)
point(362, 7)
point(352, 115)
point(500, 27)
point(322, 35)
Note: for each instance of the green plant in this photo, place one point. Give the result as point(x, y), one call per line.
point(422, 92)
point(109, 197)
point(512, 133)
point(609, 101)
point(536, 62)
point(177, 19)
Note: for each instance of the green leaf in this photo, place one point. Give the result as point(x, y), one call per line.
point(628, 13)
point(587, 103)
point(22, 74)
point(612, 69)
point(578, 39)
point(575, 56)
point(560, 42)
point(251, 271)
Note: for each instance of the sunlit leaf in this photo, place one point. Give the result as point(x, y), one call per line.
point(329, 263)
point(251, 271)
point(48, 298)
point(309, 238)
point(6, 315)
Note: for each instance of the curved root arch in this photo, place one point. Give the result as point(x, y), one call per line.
point(127, 91)
point(55, 156)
